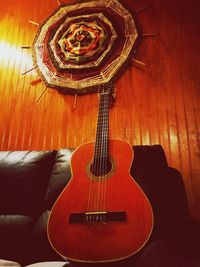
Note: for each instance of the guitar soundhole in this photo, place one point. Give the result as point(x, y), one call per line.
point(101, 167)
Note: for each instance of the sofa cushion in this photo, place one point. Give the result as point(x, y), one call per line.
point(60, 176)
point(15, 225)
point(15, 232)
point(24, 176)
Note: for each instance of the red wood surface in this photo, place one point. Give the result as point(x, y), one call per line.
point(115, 192)
point(156, 104)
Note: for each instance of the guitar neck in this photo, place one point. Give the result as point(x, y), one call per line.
point(102, 134)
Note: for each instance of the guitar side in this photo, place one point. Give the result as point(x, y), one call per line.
point(89, 238)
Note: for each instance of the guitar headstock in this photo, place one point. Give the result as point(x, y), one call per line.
point(107, 89)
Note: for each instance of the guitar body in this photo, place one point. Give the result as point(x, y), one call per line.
point(79, 228)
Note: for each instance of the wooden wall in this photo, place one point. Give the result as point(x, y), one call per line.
point(157, 104)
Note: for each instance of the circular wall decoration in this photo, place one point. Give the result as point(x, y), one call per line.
point(84, 45)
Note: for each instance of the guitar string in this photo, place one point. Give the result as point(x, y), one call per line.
point(97, 158)
point(99, 166)
point(100, 162)
point(105, 156)
point(94, 168)
point(96, 199)
point(102, 151)
point(104, 181)
point(89, 206)
point(90, 189)
point(92, 171)
point(102, 167)
point(105, 151)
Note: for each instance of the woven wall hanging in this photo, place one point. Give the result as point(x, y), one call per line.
point(83, 45)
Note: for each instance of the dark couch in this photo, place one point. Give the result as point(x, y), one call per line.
point(30, 182)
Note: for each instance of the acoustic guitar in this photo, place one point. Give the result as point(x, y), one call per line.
point(102, 215)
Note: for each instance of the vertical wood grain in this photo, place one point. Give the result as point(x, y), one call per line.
point(157, 104)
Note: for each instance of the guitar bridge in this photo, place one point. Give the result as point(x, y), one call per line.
point(97, 216)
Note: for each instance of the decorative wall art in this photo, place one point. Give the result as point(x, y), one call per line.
point(85, 44)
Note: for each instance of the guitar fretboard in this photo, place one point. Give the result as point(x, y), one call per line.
point(101, 151)
point(102, 135)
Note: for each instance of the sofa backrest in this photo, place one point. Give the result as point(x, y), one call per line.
point(24, 177)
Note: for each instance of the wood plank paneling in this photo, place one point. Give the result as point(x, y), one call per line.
point(157, 104)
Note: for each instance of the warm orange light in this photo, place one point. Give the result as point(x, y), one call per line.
point(12, 56)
